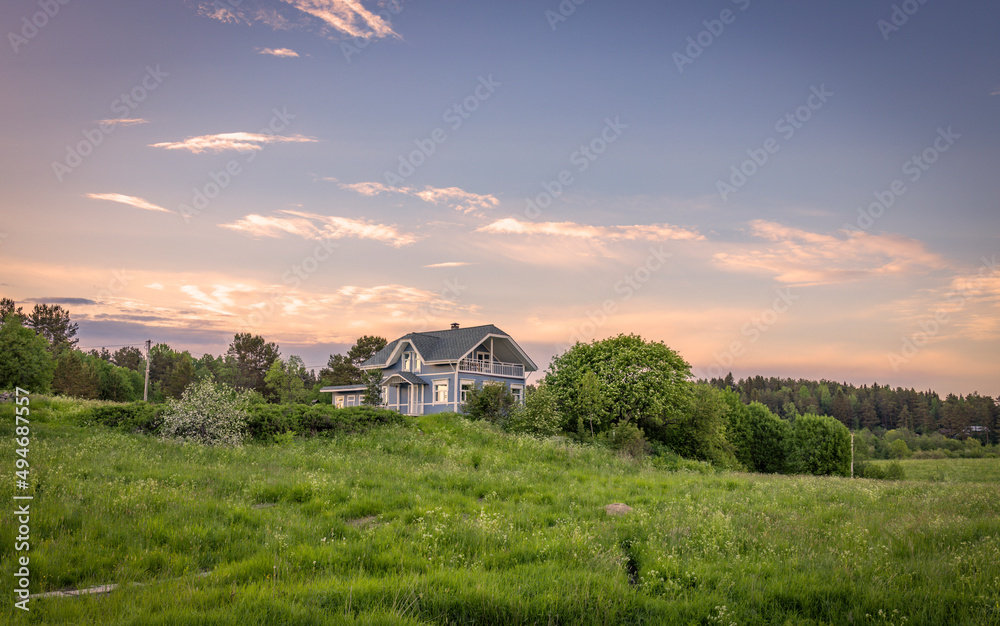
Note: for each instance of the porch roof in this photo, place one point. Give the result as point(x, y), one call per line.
point(398, 378)
point(336, 388)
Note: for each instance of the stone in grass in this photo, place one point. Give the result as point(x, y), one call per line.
point(618, 509)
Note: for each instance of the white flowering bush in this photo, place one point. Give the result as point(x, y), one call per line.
point(208, 413)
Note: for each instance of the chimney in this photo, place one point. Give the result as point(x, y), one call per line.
point(454, 325)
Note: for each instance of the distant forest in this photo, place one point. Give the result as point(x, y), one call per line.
point(876, 407)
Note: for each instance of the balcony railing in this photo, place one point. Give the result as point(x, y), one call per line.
point(495, 368)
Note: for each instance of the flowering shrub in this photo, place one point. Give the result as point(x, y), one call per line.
point(208, 413)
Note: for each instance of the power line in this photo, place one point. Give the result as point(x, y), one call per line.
point(123, 345)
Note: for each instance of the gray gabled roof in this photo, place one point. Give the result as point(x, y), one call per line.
point(444, 345)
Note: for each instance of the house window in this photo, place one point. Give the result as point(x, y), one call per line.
point(407, 361)
point(467, 385)
point(518, 391)
point(440, 391)
point(385, 395)
point(339, 401)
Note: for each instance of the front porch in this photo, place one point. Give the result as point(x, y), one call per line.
point(404, 392)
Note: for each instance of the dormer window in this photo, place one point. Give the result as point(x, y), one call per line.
point(408, 359)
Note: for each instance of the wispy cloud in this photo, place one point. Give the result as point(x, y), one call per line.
point(801, 257)
point(137, 202)
point(459, 199)
point(127, 121)
point(230, 141)
point(653, 232)
point(349, 17)
point(314, 226)
point(967, 305)
point(279, 52)
point(451, 264)
point(64, 301)
point(329, 17)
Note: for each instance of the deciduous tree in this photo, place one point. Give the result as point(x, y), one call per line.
point(643, 382)
point(24, 358)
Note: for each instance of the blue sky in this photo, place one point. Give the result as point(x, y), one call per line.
point(782, 188)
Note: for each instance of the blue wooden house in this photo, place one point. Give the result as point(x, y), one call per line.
point(430, 372)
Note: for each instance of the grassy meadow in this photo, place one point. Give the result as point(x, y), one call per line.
point(956, 470)
point(443, 521)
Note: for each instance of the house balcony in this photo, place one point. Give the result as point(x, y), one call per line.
point(496, 368)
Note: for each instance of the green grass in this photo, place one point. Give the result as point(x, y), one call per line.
point(447, 522)
point(986, 470)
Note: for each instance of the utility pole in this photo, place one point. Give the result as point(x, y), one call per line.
point(145, 389)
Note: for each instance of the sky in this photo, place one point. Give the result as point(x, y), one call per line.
point(794, 189)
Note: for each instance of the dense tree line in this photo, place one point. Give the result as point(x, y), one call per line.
point(876, 407)
point(636, 396)
point(38, 352)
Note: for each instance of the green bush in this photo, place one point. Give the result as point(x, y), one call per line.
point(537, 416)
point(626, 438)
point(759, 437)
point(492, 402)
point(669, 461)
point(138, 417)
point(700, 432)
point(267, 421)
point(894, 471)
point(870, 470)
point(899, 449)
point(820, 445)
point(890, 471)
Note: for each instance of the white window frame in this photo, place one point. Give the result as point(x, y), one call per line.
point(518, 391)
point(441, 382)
point(350, 400)
point(462, 385)
point(385, 395)
point(481, 353)
point(338, 401)
point(407, 361)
